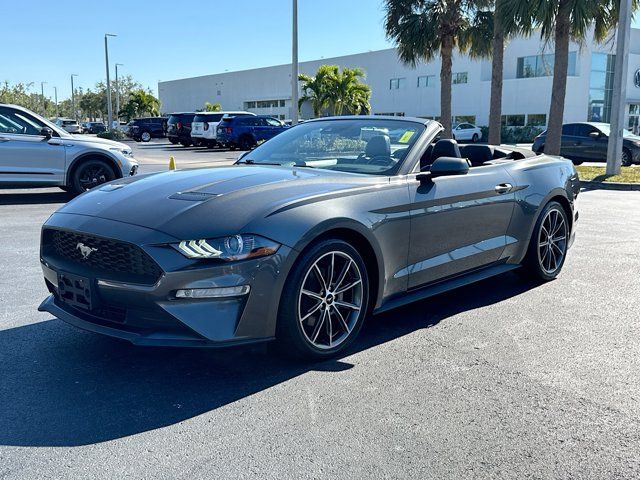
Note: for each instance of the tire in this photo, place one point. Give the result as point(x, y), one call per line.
point(89, 174)
point(173, 141)
point(185, 143)
point(577, 162)
point(626, 158)
point(145, 136)
point(475, 138)
point(211, 144)
point(246, 142)
point(544, 259)
point(309, 316)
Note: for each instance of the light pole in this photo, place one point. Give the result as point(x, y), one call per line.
point(118, 94)
point(73, 98)
point(106, 61)
point(55, 90)
point(44, 111)
point(618, 104)
point(294, 65)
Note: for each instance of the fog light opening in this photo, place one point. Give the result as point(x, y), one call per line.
point(216, 292)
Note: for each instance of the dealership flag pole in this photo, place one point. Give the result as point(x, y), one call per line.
point(294, 66)
point(106, 60)
point(614, 149)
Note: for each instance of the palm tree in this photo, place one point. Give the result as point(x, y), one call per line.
point(340, 91)
point(348, 94)
point(422, 29)
point(315, 89)
point(562, 21)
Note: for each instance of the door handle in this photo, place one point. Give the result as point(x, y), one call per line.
point(503, 188)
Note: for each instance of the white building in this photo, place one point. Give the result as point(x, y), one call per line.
point(401, 90)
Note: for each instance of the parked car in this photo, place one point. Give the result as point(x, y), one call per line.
point(305, 236)
point(467, 132)
point(37, 153)
point(588, 142)
point(93, 127)
point(205, 125)
point(144, 129)
point(246, 132)
point(179, 128)
point(69, 125)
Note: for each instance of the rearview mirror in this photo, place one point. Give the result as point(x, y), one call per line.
point(445, 166)
point(46, 132)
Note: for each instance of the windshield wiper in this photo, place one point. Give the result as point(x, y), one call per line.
point(250, 161)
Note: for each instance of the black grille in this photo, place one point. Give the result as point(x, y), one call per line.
point(113, 259)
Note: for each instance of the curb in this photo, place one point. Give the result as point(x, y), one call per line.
point(627, 187)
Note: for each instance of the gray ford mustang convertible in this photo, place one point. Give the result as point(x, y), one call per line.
point(331, 220)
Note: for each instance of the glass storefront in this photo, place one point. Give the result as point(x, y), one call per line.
point(634, 118)
point(601, 87)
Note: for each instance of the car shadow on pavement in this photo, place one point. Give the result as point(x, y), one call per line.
point(31, 198)
point(64, 387)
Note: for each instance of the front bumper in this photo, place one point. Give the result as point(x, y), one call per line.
point(150, 314)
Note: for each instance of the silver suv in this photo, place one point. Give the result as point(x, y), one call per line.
point(37, 153)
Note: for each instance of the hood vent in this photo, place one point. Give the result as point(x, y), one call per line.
point(193, 196)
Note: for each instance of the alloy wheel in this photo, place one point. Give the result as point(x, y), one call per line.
point(330, 300)
point(626, 158)
point(552, 241)
point(146, 136)
point(93, 175)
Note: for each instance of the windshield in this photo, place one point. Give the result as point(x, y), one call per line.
point(358, 145)
point(606, 129)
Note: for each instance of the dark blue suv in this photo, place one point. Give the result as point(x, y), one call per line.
point(246, 132)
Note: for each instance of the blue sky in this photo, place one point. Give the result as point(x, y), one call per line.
point(164, 40)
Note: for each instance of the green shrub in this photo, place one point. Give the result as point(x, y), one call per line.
point(111, 135)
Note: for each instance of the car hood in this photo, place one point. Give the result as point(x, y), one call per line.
point(97, 142)
point(205, 203)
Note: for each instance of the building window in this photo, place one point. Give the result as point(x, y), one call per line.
point(460, 77)
point(397, 83)
point(248, 105)
point(542, 65)
point(513, 120)
point(282, 103)
point(537, 119)
point(601, 87)
point(458, 119)
point(426, 81)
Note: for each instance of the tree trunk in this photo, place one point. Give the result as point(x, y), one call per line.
point(560, 68)
point(497, 67)
point(446, 52)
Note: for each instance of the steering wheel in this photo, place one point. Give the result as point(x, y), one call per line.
point(380, 160)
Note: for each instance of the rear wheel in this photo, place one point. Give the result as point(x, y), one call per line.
point(626, 158)
point(577, 162)
point(324, 302)
point(185, 143)
point(246, 142)
point(173, 141)
point(90, 174)
point(145, 137)
point(549, 243)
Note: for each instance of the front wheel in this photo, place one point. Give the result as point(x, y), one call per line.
point(577, 162)
point(324, 302)
point(475, 138)
point(626, 158)
point(89, 174)
point(145, 137)
point(549, 243)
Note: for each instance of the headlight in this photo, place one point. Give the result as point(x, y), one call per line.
point(234, 247)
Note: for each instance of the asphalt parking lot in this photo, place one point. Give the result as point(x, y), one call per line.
point(503, 379)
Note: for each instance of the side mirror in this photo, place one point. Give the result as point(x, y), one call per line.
point(445, 166)
point(595, 135)
point(46, 132)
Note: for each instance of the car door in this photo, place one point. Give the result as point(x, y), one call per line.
point(595, 148)
point(458, 223)
point(459, 132)
point(26, 156)
point(570, 146)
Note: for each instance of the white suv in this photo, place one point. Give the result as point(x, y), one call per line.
point(205, 124)
point(37, 153)
point(69, 125)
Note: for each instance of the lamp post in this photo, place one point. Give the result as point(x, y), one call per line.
point(106, 61)
point(294, 65)
point(44, 111)
point(73, 98)
point(118, 94)
point(55, 90)
point(618, 103)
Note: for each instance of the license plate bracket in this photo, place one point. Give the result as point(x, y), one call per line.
point(75, 290)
